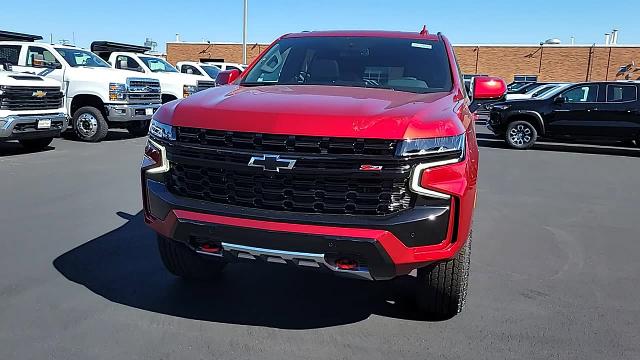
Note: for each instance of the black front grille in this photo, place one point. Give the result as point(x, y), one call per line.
point(287, 143)
point(318, 183)
point(203, 84)
point(30, 98)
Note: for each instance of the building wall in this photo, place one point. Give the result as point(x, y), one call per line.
point(549, 62)
point(200, 51)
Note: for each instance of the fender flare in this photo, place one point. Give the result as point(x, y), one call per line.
point(534, 114)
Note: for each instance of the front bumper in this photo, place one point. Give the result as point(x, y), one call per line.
point(495, 123)
point(383, 248)
point(130, 112)
point(19, 127)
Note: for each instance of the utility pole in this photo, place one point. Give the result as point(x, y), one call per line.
point(244, 32)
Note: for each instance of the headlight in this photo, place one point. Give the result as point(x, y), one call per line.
point(117, 92)
point(189, 90)
point(499, 107)
point(436, 152)
point(162, 131)
point(453, 145)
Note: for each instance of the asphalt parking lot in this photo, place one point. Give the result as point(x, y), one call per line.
point(554, 270)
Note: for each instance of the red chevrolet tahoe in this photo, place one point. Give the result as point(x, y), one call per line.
point(352, 152)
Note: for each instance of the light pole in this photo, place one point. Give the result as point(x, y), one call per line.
point(244, 32)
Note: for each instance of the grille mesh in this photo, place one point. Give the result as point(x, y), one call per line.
point(320, 182)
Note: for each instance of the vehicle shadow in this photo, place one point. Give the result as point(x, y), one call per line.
point(124, 266)
point(112, 135)
point(11, 148)
point(491, 141)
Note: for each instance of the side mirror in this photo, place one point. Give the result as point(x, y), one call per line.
point(190, 71)
point(37, 60)
point(559, 100)
point(124, 64)
point(227, 77)
point(488, 88)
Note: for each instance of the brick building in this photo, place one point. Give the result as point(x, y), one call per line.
point(547, 62)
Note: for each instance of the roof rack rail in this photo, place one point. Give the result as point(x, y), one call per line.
point(14, 36)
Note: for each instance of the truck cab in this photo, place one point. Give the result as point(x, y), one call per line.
point(96, 97)
point(175, 85)
point(31, 108)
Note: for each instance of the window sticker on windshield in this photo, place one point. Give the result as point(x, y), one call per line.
point(422, 46)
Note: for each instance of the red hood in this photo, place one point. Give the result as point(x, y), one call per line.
point(319, 111)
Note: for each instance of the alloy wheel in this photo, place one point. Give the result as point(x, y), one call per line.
point(521, 135)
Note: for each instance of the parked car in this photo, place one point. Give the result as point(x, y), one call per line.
point(97, 97)
point(196, 68)
point(174, 84)
point(535, 91)
point(353, 152)
point(520, 87)
point(225, 66)
point(591, 110)
point(31, 108)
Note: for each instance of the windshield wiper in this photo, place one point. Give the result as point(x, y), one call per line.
point(258, 83)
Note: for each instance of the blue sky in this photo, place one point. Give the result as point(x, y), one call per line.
point(463, 21)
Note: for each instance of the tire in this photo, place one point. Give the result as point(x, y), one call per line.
point(139, 128)
point(36, 144)
point(442, 288)
point(521, 135)
point(183, 262)
point(89, 124)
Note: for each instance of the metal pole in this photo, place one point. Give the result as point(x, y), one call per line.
point(244, 32)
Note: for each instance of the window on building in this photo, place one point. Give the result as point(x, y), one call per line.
point(525, 78)
point(582, 94)
point(9, 54)
point(621, 93)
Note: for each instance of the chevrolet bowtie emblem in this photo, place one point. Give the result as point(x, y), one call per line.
point(271, 163)
point(39, 94)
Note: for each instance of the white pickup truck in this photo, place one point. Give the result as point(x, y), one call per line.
point(175, 85)
point(96, 96)
point(31, 108)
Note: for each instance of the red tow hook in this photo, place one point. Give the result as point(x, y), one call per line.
point(346, 264)
point(211, 248)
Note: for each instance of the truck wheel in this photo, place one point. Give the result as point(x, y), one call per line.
point(138, 128)
point(442, 287)
point(186, 263)
point(521, 135)
point(89, 124)
point(36, 144)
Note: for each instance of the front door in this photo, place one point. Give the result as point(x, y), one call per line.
point(573, 113)
point(40, 61)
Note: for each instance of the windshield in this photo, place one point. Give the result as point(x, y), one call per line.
point(541, 91)
point(157, 65)
point(212, 71)
point(517, 86)
point(419, 66)
point(81, 58)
